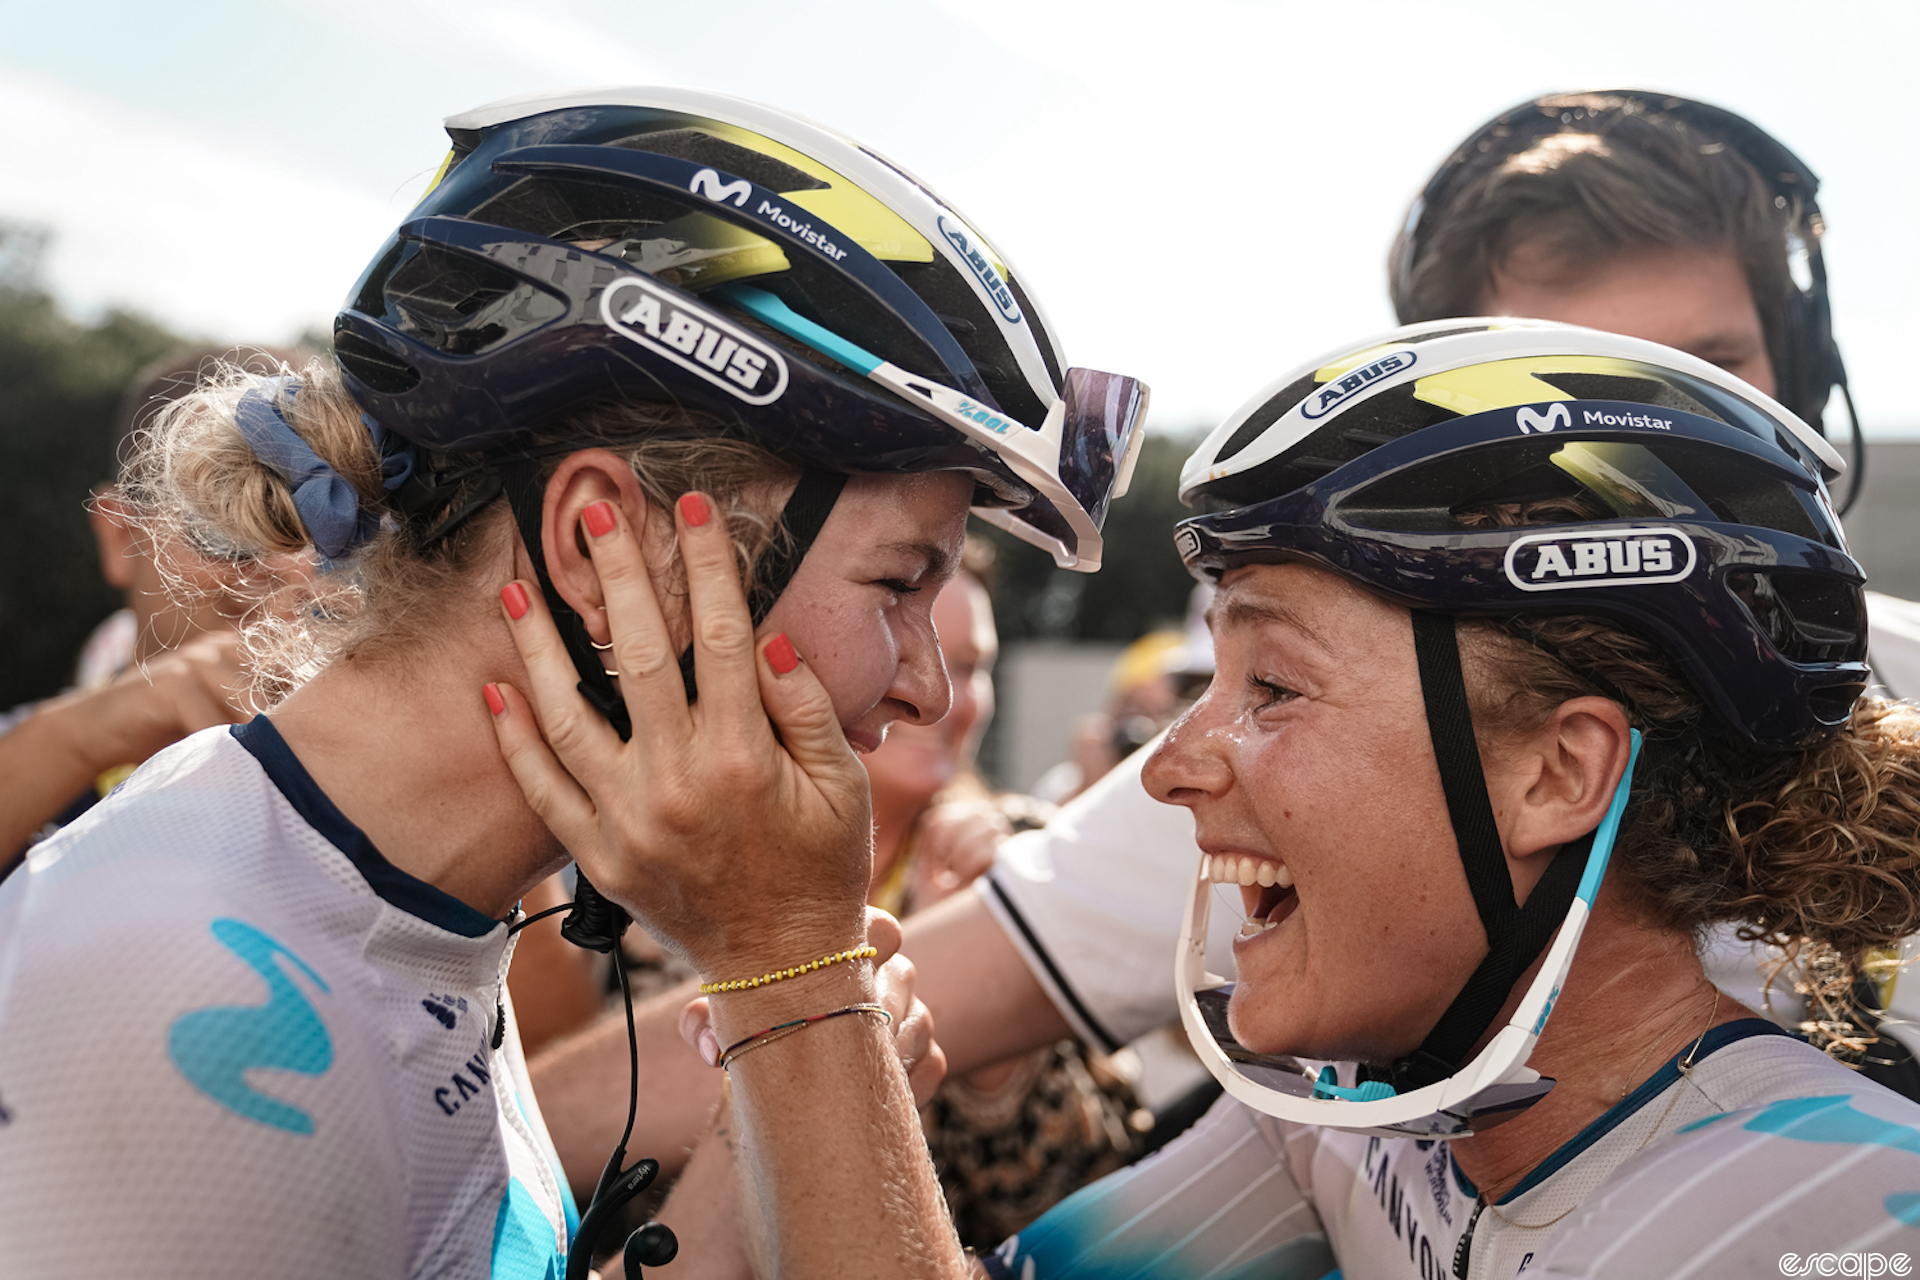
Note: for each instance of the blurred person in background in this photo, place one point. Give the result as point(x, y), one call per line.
point(153, 671)
point(1011, 1139)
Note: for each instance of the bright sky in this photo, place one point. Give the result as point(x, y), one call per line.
point(1200, 194)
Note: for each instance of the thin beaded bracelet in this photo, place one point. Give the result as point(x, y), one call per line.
point(761, 1039)
point(780, 975)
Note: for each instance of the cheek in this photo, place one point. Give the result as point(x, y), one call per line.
point(851, 649)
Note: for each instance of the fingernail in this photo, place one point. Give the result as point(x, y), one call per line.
point(780, 654)
point(709, 1047)
point(495, 703)
point(694, 509)
point(514, 596)
point(599, 519)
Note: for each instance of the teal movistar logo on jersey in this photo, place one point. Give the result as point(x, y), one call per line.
point(215, 1047)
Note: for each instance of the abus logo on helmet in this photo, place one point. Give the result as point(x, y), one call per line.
point(1555, 416)
point(1616, 558)
point(695, 339)
point(977, 262)
point(707, 183)
point(1187, 543)
point(1323, 401)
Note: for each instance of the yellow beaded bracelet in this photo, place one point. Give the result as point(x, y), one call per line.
point(780, 975)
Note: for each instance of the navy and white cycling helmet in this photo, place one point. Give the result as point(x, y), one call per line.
point(1713, 537)
point(1720, 543)
point(669, 245)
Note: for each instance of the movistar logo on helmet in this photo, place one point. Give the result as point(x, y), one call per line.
point(707, 183)
point(1529, 419)
point(1332, 394)
point(802, 228)
point(1555, 416)
point(977, 262)
point(1616, 558)
point(694, 338)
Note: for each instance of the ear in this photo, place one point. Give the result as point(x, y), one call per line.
point(582, 479)
point(114, 535)
point(1555, 784)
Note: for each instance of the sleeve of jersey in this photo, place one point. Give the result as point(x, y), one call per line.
point(1219, 1203)
point(176, 1098)
point(1798, 1187)
point(1093, 901)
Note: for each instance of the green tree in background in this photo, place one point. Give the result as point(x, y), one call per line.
point(1141, 584)
point(60, 387)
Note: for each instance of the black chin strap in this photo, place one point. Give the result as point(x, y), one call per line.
point(596, 923)
point(1515, 935)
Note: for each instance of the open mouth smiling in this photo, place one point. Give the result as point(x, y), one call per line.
point(1266, 888)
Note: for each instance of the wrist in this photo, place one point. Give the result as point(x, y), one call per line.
point(762, 951)
point(66, 735)
point(736, 1014)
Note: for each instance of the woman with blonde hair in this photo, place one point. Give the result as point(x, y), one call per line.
point(705, 392)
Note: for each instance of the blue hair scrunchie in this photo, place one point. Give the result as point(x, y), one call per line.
point(325, 501)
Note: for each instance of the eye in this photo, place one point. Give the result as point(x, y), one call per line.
point(899, 586)
point(1269, 694)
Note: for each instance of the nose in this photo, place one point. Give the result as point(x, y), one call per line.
point(1189, 766)
point(920, 682)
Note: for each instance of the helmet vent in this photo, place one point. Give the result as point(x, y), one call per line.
point(576, 211)
point(696, 146)
point(1808, 618)
point(1276, 407)
point(1365, 426)
point(363, 360)
point(461, 305)
point(1649, 391)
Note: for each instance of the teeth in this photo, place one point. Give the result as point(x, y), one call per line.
point(1227, 869)
point(1254, 928)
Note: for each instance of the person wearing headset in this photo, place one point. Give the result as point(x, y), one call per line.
point(1539, 652)
point(686, 400)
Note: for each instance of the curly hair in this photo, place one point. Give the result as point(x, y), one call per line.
point(227, 522)
point(1815, 851)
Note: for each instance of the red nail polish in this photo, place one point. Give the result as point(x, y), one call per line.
point(780, 654)
point(694, 509)
point(495, 703)
point(599, 519)
point(514, 596)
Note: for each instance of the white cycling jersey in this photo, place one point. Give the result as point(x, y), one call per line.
point(1765, 1155)
point(236, 1041)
